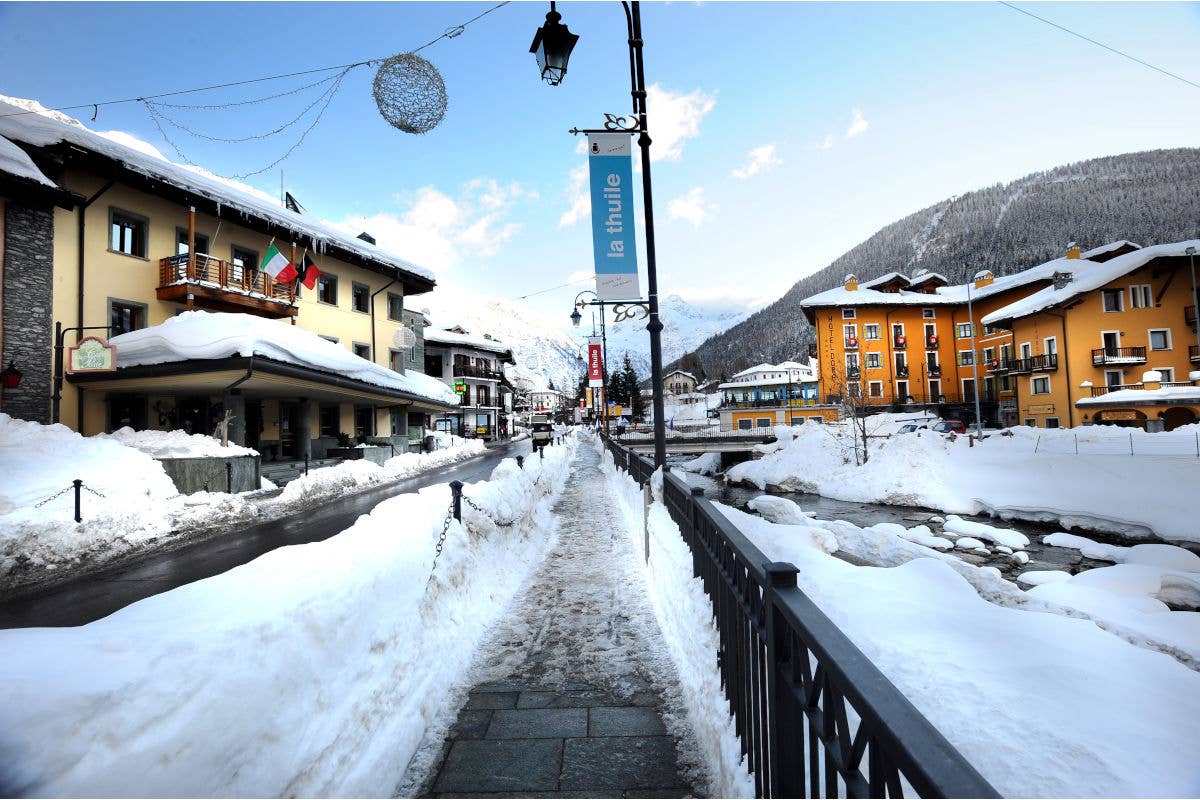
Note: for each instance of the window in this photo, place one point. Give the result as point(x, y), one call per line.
point(127, 233)
point(963, 330)
point(848, 313)
point(850, 332)
point(966, 358)
point(362, 350)
point(989, 355)
point(1139, 296)
point(433, 365)
point(1040, 385)
point(897, 331)
point(1160, 339)
point(928, 313)
point(360, 297)
point(871, 330)
point(902, 391)
point(1031, 422)
point(329, 420)
point(988, 330)
point(851, 362)
point(327, 289)
point(1168, 374)
point(745, 424)
point(763, 422)
point(797, 420)
point(1050, 346)
point(1113, 377)
point(364, 421)
point(853, 389)
point(968, 391)
point(1005, 383)
point(124, 316)
point(241, 263)
point(181, 242)
point(395, 361)
point(875, 388)
point(873, 361)
point(935, 390)
point(395, 307)
point(398, 420)
point(1026, 350)
point(1112, 299)
point(1051, 422)
point(930, 333)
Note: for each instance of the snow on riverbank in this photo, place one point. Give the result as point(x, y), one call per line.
point(1001, 475)
point(685, 617)
point(706, 464)
point(311, 671)
point(133, 506)
point(1043, 705)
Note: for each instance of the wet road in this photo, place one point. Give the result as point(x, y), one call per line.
point(99, 595)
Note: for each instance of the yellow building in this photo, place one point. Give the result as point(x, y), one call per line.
point(1123, 336)
point(904, 341)
point(108, 239)
point(767, 395)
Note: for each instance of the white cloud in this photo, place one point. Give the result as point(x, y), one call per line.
point(692, 207)
point(438, 231)
point(577, 192)
point(674, 119)
point(825, 143)
point(758, 160)
point(857, 125)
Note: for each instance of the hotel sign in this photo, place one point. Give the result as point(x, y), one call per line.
point(91, 354)
point(610, 164)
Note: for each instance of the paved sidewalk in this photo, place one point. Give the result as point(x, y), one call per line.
point(569, 706)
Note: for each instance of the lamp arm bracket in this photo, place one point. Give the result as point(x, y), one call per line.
point(612, 124)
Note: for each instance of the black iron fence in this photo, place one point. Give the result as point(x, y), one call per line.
point(815, 717)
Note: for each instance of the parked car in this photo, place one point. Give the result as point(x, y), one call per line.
point(912, 427)
point(541, 434)
point(951, 426)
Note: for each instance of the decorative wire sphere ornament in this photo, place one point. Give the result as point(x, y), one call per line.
point(410, 93)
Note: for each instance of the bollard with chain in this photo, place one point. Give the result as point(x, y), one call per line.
point(542, 451)
point(229, 477)
point(78, 486)
point(520, 462)
point(456, 491)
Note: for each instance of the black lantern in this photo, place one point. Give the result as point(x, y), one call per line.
point(553, 44)
point(575, 317)
point(11, 376)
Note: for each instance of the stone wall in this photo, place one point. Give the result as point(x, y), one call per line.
point(28, 330)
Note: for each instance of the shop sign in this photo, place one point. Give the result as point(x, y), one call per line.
point(91, 354)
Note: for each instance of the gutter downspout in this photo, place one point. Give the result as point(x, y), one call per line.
point(1067, 365)
point(79, 289)
point(371, 306)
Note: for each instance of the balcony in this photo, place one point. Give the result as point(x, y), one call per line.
point(934, 370)
point(851, 342)
point(1100, 391)
point(902, 371)
point(1194, 353)
point(931, 343)
point(202, 281)
point(899, 342)
point(472, 371)
point(1189, 316)
point(1118, 355)
point(853, 373)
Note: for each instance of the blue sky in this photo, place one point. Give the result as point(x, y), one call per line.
point(855, 114)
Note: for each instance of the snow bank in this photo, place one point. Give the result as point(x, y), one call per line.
point(212, 335)
point(707, 464)
point(1069, 710)
point(1162, 555)
point(311, 671)
point(1001, 475)
point(176, 444)
point(685, 617)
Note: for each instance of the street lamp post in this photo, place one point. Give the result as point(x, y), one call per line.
point(575, 318)
point(553, 44)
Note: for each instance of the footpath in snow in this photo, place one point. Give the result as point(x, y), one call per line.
point(575, 690)
point(131, 506)
point(313, 670)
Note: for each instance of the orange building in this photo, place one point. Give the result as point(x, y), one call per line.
point(917, 341)
point(1123, 335)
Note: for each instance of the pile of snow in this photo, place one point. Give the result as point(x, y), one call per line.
point(1070, 709)
point(707, 464)
point(1000, 475)
point(196, 335)
point(16, 162)
point(1161, 555)
point(176, 444)
point(311, 671)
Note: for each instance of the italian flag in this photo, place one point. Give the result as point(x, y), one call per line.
point(277, 266)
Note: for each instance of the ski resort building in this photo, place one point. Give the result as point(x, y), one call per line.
point(474, 367)
point(767, 395)
point(1122, 336)
point(101, 239)
point(903, 340)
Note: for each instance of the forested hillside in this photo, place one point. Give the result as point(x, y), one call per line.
point(1147, 198)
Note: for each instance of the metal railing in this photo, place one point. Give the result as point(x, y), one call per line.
point(472, 371)
point(217, 272)
point(814, 716)
point(1118, 355)
point(1024, 366)
point(1100, 391)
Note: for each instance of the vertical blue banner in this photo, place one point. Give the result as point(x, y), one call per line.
point(610, 164)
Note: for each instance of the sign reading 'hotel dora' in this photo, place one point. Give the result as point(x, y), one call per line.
point(91, 354)
point(610, 164)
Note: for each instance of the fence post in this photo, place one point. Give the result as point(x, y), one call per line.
point(647, 498)
point(456, 492)
point(784, 776)
point(542, 451)
point(1076, 435)
point(520, 462)
point(229, 477)
point(1131, 443)
point(1038, 442)
point(78, 490)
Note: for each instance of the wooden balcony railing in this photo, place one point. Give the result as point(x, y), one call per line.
point(208, 282)
point(1118, 355)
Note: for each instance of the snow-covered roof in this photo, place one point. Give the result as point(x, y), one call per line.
point(949, 295)
point(679, 372)
point(924, 277)
point(16, 162)
point(454, 339)
point(785, 366)
point(1128, 397)
point(1086, 276)
point(1108, 248)
point(882, 279)
point(201, 335)
point(767, 382)
point(46, 128)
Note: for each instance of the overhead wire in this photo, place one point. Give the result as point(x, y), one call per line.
point(1121, 53)
point(552, 288)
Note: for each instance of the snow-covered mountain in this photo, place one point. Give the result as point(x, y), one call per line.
point(685, 326)
point(543, 350)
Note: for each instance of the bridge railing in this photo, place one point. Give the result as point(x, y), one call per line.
point(814, 716)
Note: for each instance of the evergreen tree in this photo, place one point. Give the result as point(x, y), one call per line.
point(634, 394)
